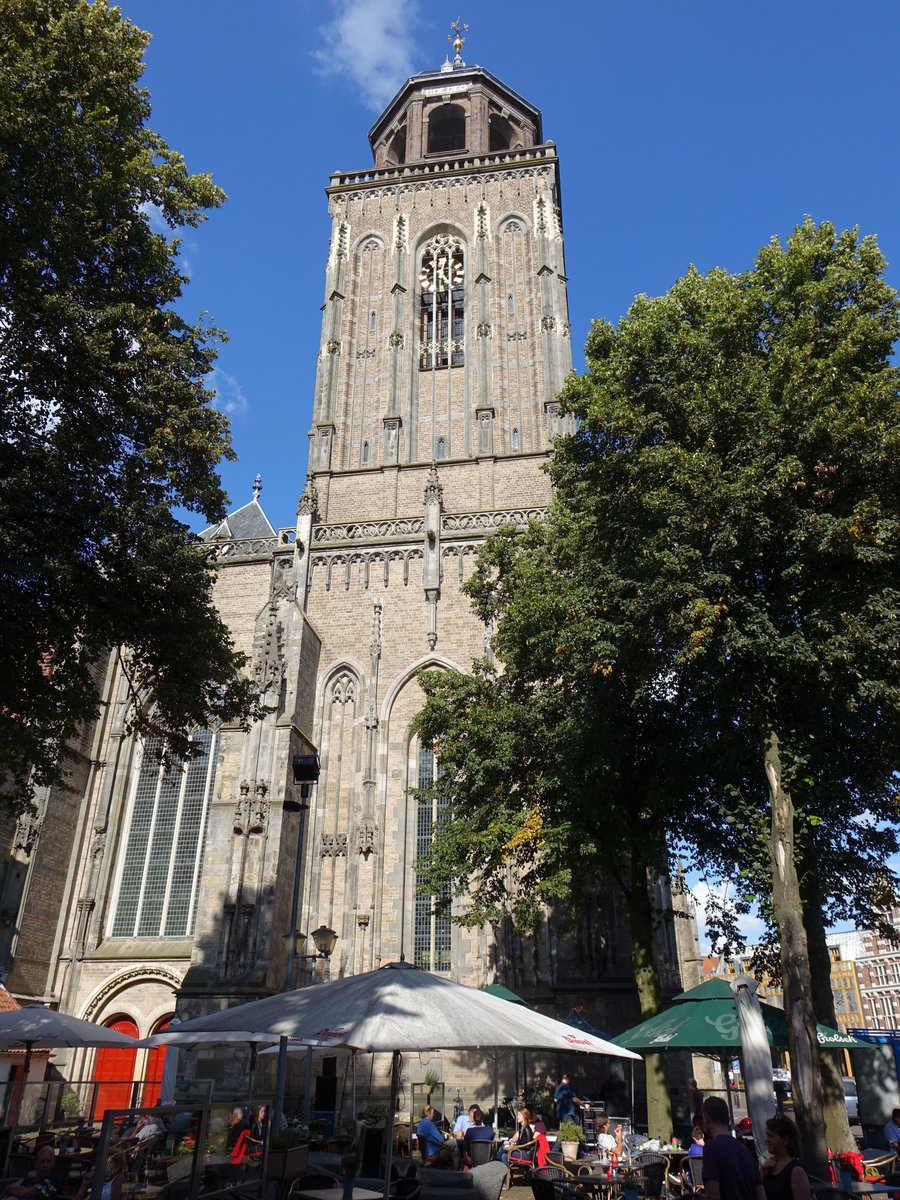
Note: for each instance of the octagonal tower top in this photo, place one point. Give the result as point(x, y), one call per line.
point(457, 111)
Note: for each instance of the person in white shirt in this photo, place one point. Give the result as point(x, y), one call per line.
point(462, 1123)
point(606, 1142)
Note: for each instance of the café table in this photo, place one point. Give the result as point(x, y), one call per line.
point(871, 1188)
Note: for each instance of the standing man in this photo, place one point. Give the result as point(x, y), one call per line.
point(730, 1172)
point(565, 1100)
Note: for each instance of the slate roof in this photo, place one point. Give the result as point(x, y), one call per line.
point(247, 522)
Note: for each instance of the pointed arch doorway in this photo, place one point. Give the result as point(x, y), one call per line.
point(114, 1070)
point(156, 1060)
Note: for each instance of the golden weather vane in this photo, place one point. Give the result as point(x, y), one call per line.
point(458, 41)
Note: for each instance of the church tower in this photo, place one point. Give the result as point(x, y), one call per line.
point(445, 339)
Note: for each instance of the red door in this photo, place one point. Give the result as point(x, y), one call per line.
point(156, 1059)
point(114, 1071)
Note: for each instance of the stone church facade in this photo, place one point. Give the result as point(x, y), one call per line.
point(445, 339)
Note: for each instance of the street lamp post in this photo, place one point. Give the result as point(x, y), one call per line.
point(306, 772)
point(324, 940)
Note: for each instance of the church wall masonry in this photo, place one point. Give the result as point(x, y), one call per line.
point(445, 341)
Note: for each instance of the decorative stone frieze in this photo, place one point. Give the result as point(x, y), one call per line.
point(334, 845)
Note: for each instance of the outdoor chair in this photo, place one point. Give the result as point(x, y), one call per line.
point(545, 1181)
point(312, 1182)
point(687, 1179)
point(409, 1188)
point(522, 1165)
point(651, 1171)
point(487, 1180)
point(478, 1152)
point(878, 1167)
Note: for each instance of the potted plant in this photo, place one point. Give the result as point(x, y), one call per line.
point(570, 1137)
point(430, 1081)
point(288, 1154)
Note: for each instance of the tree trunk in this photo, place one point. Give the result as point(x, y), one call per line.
point(837, 1123)
point(646, 977)
point(801, 1021)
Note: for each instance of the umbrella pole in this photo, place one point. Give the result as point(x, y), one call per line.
point(308, 1099)
point(632, 1096)
point(389, 1124)
point(14, 1124)
point(353, 1065)
point(496, 1093)
point(725, 1061)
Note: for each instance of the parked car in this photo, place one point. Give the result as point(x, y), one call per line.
point(850, 1098)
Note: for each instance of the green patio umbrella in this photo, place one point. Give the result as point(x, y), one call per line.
point(497, 989)
point(704, 1020)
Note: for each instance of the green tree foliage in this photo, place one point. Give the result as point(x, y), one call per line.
point(711, 605)
point(769, 407)
point(105, 423)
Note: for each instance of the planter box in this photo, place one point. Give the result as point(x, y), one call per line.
point(287, 1164)
point(570, 1149)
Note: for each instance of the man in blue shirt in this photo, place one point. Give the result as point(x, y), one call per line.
point(892, 1131)
point(436, 1149)
point(565, 1100)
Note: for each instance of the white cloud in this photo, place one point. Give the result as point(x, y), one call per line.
point(230, 398)
point(370, 43)
point(751, 925)
point(158, 222)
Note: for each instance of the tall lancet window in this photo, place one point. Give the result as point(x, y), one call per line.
point(432, 935)
point(160, 871)
point(443, 304)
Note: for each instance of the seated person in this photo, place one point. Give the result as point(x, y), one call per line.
point(41, 1180)
point(696, 1150)
point(478, 1131)
point(524, 1134)
point(114, 1177)
point(437, 1150)
point(237, 1123)
point(462, 1123)
point(606, 1143)
point(892, 1131)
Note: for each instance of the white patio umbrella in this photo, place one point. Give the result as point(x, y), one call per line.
point(756, 1055)
point(36, 1025)
point(400, 1008)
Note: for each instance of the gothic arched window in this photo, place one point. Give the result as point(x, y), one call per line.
point(447, 129)
point(157, 890)
point(443, 304)
point(365, 452)
point(432, 942)
point(441, 448)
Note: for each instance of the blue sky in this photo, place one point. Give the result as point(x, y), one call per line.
point(688, 133)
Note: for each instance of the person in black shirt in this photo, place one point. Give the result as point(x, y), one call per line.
point(783, 1176)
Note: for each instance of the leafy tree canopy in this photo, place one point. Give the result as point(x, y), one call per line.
point(105, 422)
point(704, 634)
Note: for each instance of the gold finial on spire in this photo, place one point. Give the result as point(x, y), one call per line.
point(458, 41)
